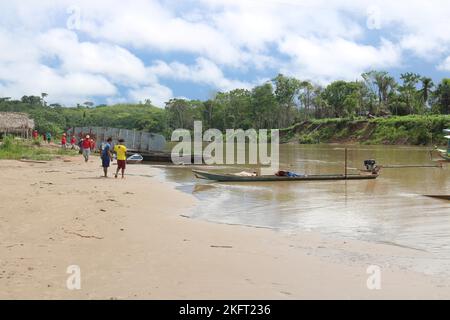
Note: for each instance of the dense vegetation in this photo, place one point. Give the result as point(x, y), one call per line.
point(414, 130)
point(280, 103)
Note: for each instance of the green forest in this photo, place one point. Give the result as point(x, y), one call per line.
point(280, 103)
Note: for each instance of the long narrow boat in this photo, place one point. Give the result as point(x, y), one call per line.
point(233, 178)
point(443, 154)
point(441, 197)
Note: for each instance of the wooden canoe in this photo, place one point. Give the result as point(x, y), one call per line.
point(444, 155)
point(233, 178)
point(441, 197)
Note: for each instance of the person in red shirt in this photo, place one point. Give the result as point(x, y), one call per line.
point(86, 146)
point(93, 145)
point(73, 141)
point(64, 141)
point(35, 135)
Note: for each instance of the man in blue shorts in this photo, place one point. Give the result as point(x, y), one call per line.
point(107, 157)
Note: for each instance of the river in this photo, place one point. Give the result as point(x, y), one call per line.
point(391, 209)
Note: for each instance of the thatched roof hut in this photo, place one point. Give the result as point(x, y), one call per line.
point(16, 123)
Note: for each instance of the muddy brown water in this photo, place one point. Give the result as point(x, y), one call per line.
point(391, 209)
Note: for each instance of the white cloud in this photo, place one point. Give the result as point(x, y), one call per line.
point(112, 61)
point(203, 72)
point(445, 65)
point(109, 56)
point(326, 60)
point(158, 94)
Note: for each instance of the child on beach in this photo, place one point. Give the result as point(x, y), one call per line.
point(121, 152)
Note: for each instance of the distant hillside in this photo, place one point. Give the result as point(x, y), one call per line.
point(411, 130)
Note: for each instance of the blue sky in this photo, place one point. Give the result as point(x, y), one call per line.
point(115, 51)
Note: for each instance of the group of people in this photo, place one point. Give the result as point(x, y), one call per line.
point(107, 157)
point(73, 141)
point(47, 137)
point(87, 145)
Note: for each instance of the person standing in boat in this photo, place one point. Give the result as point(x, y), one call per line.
point(121, 152)
point(106, 156)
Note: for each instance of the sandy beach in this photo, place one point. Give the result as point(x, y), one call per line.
point(132, 240)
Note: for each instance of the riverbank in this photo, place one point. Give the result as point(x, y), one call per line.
point(131, 240)
point(408, 130)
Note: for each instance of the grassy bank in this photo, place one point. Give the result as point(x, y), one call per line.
point(15, 149)
point(410, 130)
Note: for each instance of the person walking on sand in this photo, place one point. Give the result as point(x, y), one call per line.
point(86, 146)
point(64, 141)
point(93, 145)
point(121, 152)
point(106, 156)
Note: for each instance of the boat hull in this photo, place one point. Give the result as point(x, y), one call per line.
point(231, 178)
point(440, 197)
point(444, 156)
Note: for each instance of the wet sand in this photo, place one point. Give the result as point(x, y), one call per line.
point(131, 241)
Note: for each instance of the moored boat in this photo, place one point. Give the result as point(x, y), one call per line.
point(445, 154)
point(235, 178)
point(440, 197)
point(135, 159)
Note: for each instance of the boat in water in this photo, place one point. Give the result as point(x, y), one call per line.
point(239, 178)
point(135, 159)
point(445, 154)
point(440, 197)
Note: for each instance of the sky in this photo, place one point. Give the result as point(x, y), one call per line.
point(113, 51)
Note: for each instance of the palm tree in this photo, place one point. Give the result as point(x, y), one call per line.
point(425, 92)
point(382, 84)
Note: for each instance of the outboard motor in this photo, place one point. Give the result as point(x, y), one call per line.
point(371, 166)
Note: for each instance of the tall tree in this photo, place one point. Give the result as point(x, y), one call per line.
point(342, 97)
point(306, 95)
point(410, 93)
point(426, 91)
point(264, 107)
point(442, 96)
point(286, 92)
point(382, 84)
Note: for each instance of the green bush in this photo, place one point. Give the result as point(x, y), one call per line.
point(14, 149)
